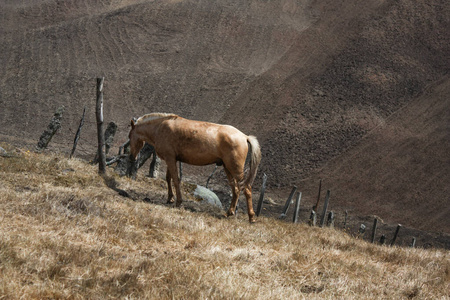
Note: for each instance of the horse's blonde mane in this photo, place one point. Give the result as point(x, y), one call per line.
point(153, 116)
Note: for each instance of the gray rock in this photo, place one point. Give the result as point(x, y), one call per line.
point(204, 194)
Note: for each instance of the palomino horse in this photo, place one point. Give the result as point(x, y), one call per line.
point(199, 143)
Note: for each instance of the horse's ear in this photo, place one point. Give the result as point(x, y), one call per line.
point(132, 124)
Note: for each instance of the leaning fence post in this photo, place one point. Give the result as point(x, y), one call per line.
point(52, 128)
point(374, 229)
point(396, 234)
point(325, 207)
point(100, 135)
point(288, 203)
point(297, 207)
point(77, 135)
point(261, 195)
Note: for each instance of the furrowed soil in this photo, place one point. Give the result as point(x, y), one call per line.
point(355, 93)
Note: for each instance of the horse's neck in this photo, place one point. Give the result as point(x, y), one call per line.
point(148, 131)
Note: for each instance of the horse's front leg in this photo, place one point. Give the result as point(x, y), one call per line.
point(172, 170)
point(169, 187)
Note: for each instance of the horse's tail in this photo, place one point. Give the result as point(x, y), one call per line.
point(255, 159)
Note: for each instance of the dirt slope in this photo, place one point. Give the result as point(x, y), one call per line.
point(403, 165)
point(311, 79)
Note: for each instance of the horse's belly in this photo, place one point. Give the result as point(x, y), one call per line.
point(198, 159)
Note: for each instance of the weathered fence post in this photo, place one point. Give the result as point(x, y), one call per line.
point(325, 207)
point(288, 203)
point(315, 207)
point(297, 207)
point(396, 234)
point(261, 195)
point(362, 229)
point(110, 132)
point(413, 242)
point(330, 219)
point(154, 166)
point(52, 128)
point(133, 166)
point(312, 218)
point(374, 229)
point(99, 117)
point(77, 135)
point(383, 239)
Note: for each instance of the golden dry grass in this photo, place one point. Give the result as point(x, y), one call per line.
point(65, 232)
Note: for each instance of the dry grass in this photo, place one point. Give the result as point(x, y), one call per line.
point(65, 232)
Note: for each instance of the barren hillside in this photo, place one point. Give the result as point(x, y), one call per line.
point(321, 83)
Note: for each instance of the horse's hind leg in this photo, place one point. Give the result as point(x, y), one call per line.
point(169, 187)
point(172, 170)
point(235, 191)
point(248, 195)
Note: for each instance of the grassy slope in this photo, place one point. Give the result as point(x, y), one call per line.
point(67, 233)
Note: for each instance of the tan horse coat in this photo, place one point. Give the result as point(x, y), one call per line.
point(199, 143)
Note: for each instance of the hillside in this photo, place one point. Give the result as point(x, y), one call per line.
point(66, 232)
point(315, 81)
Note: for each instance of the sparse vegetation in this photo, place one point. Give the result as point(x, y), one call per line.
point(67, 233)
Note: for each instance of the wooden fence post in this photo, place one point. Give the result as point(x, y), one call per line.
point(77, 135)
point(52, 128)
point(362, 229)
point(345, 218)
point(110, 132)
point(330, 219)
point(325, 207)
point(261, 196)
point(312, 218)
point(154, 166)
point(288, 203)
point(100, 135)
point(374, 229)
point(396, 234)
point(297, 207)
point(383, 239)
point(413, 242)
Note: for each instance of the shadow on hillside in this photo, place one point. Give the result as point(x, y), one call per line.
point(190, 205)
point(112, 184)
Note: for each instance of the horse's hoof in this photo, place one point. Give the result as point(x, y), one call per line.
point(252, 220)
point(170, 201)
point(230, 213)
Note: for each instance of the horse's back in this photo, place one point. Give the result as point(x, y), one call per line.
point(201, 143)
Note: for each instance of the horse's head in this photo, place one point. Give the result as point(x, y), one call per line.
point(136, 144)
